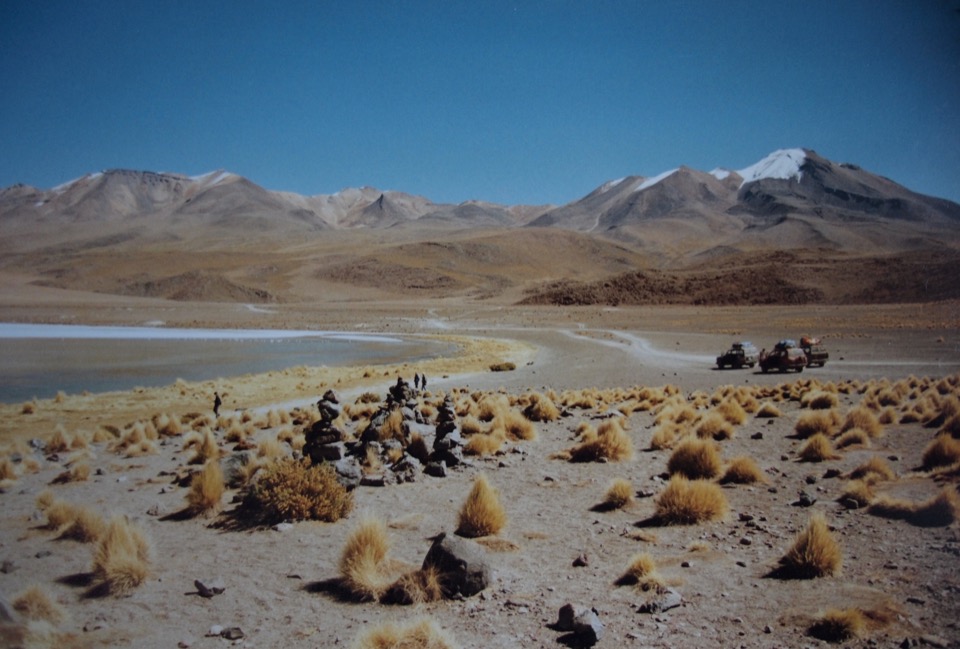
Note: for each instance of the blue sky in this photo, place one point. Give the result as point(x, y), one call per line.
point(513, 102)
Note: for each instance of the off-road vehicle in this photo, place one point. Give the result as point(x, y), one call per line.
point(741, 354)
point(785, 356)
point(816, 353)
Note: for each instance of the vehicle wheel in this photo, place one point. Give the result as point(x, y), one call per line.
point(764, 369)
point(799, 369)
point(751, 365)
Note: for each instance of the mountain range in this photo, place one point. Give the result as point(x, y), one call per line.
point(790, 226)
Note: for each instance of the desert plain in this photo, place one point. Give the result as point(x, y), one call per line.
point(560, 543)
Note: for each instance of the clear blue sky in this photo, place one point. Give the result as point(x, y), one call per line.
point(513, 102)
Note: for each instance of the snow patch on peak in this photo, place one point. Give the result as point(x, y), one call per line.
point(59, 189)
point(720, 174)
point(782, 164)
point(650, 182)
point(610, 184)
point(212, 177)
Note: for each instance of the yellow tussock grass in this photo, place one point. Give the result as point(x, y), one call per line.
point(392, 427)
point(419, 634)
point(483, 444)
point(665, 436)
point(44, 499)
point(206, 489)
point(76, 473)
point(888, 415)
point(951, 427)
point(28, 408)
point(470, 425)
point(731, 411)
point(416, 587)
point(817, 421)
point(819, 400)
point(714, 426)
point(940, 511)
point(853, 437)
point(815, 553)
point(688, 502)
point(839, 625)
point(619, 494)
point(60, 513)
point(865, 420)
point(942, 451)
point(8, 471)
point(492, 406)
point(769, 410)
point(742, 470)
point(518, 427)
point(876, 468)
point(87, 526)
point(206, 448)
point(610, 443)
point(817, 449)
point(270, 447)
point(143, 447)
point(167, 426)
point(858, 493)
point(121, 561)
point(695, 459)
point(481, 514)
point(642, 573)
point(296, 490)
point(364, 562)
point(59, 442)
point(35, 605)
point(541, 408)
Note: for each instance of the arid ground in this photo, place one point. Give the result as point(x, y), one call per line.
point(901, 570)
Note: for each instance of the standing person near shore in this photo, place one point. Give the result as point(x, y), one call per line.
point(216, 404)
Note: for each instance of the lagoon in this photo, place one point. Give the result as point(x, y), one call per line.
point(41, 360)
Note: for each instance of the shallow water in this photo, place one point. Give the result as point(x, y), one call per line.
point(40, 361)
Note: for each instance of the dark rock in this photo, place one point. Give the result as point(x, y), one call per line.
point(757, 436)
point(233, 633)
point(328, 452)
point(376, 480)
point(664, 601)
point(583, 622)
point(581, 560)
point(348, 472)
point(436, 469)
point(462, 564)
point(232, 467)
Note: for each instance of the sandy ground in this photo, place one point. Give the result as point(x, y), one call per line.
point(905, 574)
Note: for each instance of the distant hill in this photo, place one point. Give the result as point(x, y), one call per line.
point(792, 228)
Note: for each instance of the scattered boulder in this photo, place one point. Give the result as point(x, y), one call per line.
point(462, 563)
point(583, 622)
point(664, 601)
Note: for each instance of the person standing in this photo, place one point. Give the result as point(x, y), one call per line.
point(216, 404)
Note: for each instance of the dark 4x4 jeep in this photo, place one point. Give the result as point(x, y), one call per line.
point(816, 353)
point(740, 354)
point(785, 356)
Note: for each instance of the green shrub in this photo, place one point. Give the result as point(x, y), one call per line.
point(296, 490)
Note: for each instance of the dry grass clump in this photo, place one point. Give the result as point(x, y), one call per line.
point(515, 426)
point(819, 400)
point(8, 470)
point(666, 435)
point(470, 425)
point(857, 494)
point(59, 442)
point(484, 443)
point(206, 489)
point(731, 411)
point(392, 427)
point(865, 420)
point(818, 449)
point(769, 410)
point(609, 442)
point(688, 502)
point(619, 494)
point(28, 408)
point(742, 470)
point(838, 625)
point(295, 490)
point(416, 587)
point(419, 634)
point(491, 406)
point(270, 448)
point(642, 573)
point(167, 426)
point(86, 527)
point(715, 426)
point(876, 468)
point(76, 473)
point(818, 421)
point(541, 408)
point(482, 513)
point(815, 553)
point(121, 561)
point(940, 511)
point(364, 563)
point(695, 459)
point(204, 445)
point(35, 605)
point(59, 514)
point(853, 437)
point(942, 451)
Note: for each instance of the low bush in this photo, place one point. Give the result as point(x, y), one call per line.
point(815, 553)
point(695, 459)
point(296, 490)
point(482, 513)
point(687, 502)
